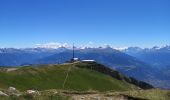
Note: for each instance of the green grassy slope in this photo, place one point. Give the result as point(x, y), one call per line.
point(46, 77)
point(113, 73)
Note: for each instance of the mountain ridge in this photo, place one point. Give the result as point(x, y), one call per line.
point(82, 76)
point(127, 64)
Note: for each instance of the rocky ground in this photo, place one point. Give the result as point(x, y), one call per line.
point(104, 97)
point(13, 94)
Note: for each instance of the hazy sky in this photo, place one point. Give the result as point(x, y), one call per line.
point(119, 23)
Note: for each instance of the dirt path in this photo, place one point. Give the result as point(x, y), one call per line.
point(99, 97)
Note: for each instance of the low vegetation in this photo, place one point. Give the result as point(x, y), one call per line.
point(153, 94)
point(65, 77)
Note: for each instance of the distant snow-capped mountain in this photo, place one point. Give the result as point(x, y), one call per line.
point(156, 48)
point(156, 56)
point(53, 45)
point(17, 57)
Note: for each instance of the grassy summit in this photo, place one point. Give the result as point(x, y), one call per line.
point(79, 77)
point(81, 80)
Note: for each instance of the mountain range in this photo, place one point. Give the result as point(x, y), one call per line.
point(150, 64)
point(158, 58)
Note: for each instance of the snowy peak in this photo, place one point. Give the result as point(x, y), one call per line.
point(155, 48)
point(53, 45)
point(133, 49)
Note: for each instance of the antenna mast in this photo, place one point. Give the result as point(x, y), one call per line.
point(73, 50)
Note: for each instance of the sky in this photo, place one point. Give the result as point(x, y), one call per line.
point(119, 23)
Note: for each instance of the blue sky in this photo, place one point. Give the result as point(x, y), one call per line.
point(119, 23)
